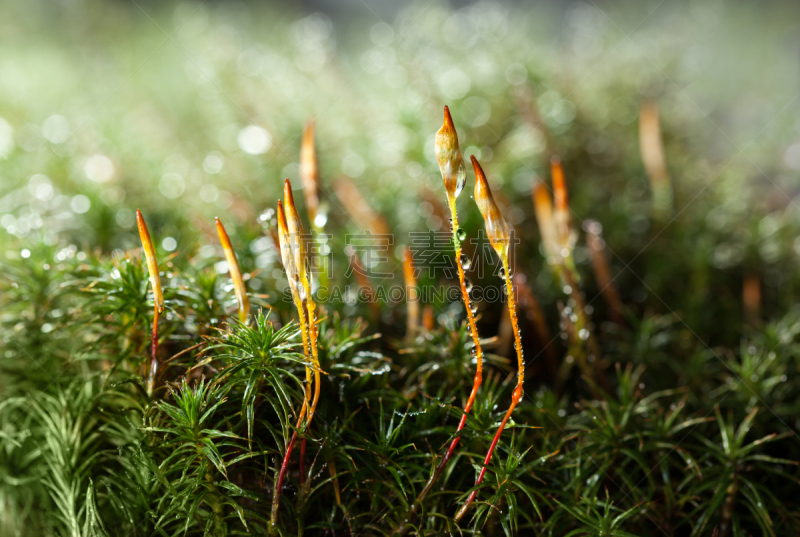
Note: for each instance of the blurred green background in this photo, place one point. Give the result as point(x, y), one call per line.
point(194, 110)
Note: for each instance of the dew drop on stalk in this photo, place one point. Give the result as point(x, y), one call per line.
point(461, 178)
point(473, 351)
point(461, 234)
point(473, 308)
point(465, 261)
point(468, 285)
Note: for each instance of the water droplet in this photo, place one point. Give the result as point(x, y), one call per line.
point(473, 308)
point(461, 234)
point(583, 334)
point(266, 216)
point(474, 351)
point(468, 285)
point(461, 178)
point(465, 262)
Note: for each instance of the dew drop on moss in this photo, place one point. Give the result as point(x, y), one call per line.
point(461, 178)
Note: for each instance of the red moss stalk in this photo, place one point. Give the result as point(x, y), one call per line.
point(499, 237)
point(454, 175)
point(292, 274)
point(293, 253)
point(297, 234)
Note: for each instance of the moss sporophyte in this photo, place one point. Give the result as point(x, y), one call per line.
point(158, 297)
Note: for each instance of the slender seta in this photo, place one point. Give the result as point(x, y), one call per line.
point(454, 175)
point(158, 296)
point(293, 254)
point(499, 237)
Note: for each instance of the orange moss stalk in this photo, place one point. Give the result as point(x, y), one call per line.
point(499, 237)
point(288, 259)
point(158, 297)
point(544, 218)
point(309, 177)
point(309, 172)
point(297, 235)
point(236, 273)
point(428, 322)
point(454, 176)
point(358, 208)
point(565, 235)
point(751, 297)
point(558, 239)
point(412, 304)
point(652, 151)
point(293, 253)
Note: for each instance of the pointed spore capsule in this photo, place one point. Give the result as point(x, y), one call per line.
point(496, 226)
point(236, 274)
point(448, 155)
